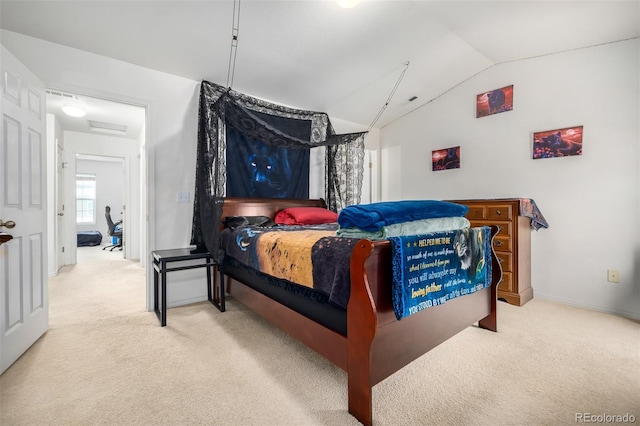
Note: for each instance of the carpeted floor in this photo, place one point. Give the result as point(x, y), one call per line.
point(106, 361)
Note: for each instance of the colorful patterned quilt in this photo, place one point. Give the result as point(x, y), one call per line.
point(311, 256)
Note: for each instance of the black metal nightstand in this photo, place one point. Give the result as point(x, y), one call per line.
point(161, 258)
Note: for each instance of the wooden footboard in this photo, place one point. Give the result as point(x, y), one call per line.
point(377, 344)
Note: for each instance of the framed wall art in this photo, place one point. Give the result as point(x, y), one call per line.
point(443, 159)
point(494, 101)
point(557, 143)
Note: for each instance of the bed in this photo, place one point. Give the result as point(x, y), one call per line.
point(366, 339)
point(89, 238)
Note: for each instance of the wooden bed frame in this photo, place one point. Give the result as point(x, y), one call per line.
point(376, 345)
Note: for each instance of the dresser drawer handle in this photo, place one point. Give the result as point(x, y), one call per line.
point(498, 212)
point(498, 243)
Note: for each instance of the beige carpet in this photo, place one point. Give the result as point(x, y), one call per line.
point(105, 360)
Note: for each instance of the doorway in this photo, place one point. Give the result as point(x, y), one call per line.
point(104, 139)
point(100, 184)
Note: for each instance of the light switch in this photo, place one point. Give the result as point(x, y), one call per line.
point(183, 197)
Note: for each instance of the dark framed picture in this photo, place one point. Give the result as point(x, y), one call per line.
point(494, 101)
point(443, 159)
point(557, 143)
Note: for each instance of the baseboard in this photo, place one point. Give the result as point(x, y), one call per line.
point(619, 312)
point(182, 302)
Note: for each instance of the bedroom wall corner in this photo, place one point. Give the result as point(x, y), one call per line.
point(592, 201)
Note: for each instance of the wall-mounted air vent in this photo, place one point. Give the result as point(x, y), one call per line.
point(62, 94)
point(100, 126)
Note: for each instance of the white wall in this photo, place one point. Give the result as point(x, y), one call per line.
point(144, 207)
point(172, 106)
point(591, 201)
point(110, 184)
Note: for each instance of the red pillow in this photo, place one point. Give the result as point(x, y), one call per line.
point(305, 216)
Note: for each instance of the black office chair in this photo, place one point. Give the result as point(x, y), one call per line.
point(114, 231)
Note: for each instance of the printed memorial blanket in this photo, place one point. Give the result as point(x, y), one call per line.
point(432, 268)
point(311, 256)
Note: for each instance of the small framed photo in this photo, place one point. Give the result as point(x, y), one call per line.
point(494, 101)
point(557, 143)
point(444, 159)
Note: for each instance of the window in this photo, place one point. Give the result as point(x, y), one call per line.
point(85, 198)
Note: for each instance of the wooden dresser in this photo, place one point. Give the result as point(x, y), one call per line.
point(512, 245)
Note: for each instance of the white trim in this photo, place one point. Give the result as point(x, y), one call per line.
point(619, 312)
point(149, 213)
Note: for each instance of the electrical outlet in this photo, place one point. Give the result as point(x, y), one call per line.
point(613, 276)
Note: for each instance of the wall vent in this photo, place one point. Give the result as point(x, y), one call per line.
point(101, 126)
point(61, 94)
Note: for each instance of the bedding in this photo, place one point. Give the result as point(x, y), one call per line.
point(310, 256)
point(415, 227)
point(428, 269)
point(234, 222)
point(305, 216)
point(89, 238)
point(372, 217)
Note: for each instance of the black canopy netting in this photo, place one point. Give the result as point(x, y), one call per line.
point(222, 109)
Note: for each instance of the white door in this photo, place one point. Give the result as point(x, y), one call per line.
point(24, 298)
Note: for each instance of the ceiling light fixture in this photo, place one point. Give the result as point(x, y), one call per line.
point(74, 111)
point(348, 4)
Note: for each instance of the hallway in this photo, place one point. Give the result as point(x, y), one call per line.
point(102, 285)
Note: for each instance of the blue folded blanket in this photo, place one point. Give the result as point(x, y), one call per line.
point(415, 227)
point(372, 217)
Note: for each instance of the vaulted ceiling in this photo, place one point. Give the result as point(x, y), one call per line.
point(316, 55)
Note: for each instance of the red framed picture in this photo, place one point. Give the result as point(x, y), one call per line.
point(443, 159)
point(494, 101)
point(557, 143)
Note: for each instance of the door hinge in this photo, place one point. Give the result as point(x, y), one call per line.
point(63, 249)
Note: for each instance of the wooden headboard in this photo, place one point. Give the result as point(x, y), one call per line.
point(236, 206)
